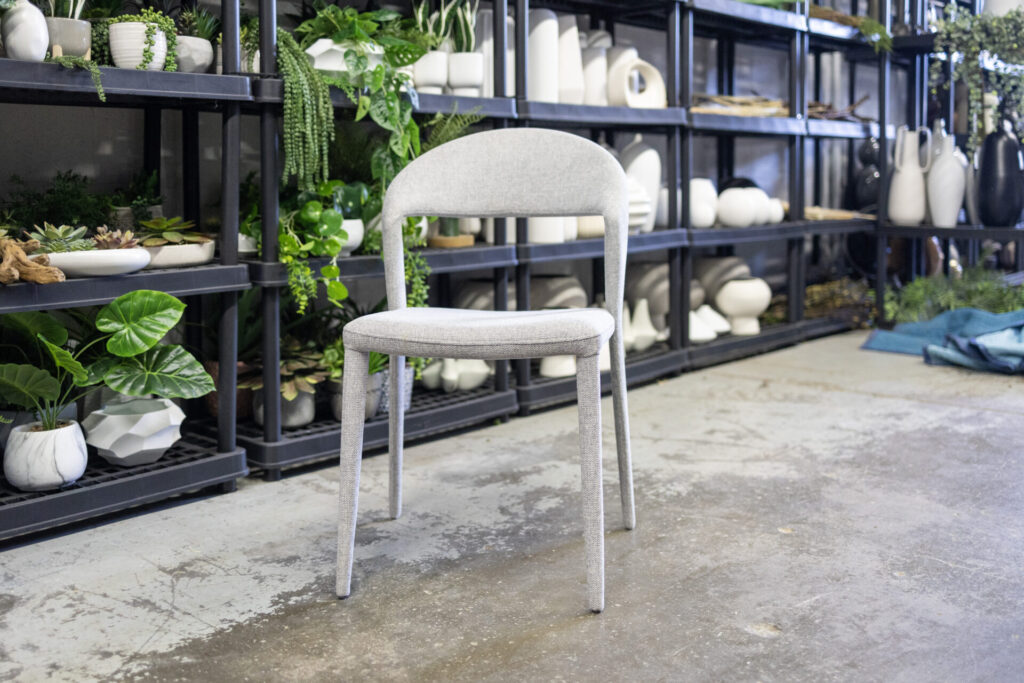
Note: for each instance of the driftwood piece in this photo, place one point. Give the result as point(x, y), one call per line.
point(15, 264)
point(738, 105)
point(821, 110)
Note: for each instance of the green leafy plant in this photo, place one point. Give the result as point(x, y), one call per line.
point(68, 9)
point(160, 231)
point(65, 238)
point(437, 25)
point(76, 62)
point(199, 23)
point(67, 201)
point(308, 116)
point(140, 194)
point(926, 297)
point(100, 49)
point(301, 369)
point(155, 20)
point(464, 26)
point(114, 239)
point(121, 350)
point(334, 360)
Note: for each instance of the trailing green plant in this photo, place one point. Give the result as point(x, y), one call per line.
point(926, 297)
point(6, 5)
point(60, 239)
point(199, 23)
point(114, 239)
point(301, 369)
point(155, 20)
point(464, 26)
point(988, 54)
point(76, 62)
point(161, 231)
point(120, 348)
point(66, 201)
point(100, 49)
point(308, 116)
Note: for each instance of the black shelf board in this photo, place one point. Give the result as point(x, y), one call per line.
point(44, 83)
point(921, 44)
point(970, 232)
point(190, 465)
point(839, 227)
point(771, 338)
point(715, 237)
point(594, 248)
point(747, 125)
point(854, 130)
point(96, 291)
point(484, 256)
point(833, 35)
point(432, 412)
point(582, 115)
point(734, 16)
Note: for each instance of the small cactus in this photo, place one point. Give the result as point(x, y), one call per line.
point(114, 239)
point(55, 240)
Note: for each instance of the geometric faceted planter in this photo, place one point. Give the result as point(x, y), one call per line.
point(134, 432)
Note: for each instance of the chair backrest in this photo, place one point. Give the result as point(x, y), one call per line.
point(511, 172)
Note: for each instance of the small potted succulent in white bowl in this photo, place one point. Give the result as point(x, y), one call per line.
point(175, 243)
point(430, 72)
point(146, 41)
point(106, 253)
point(197, 29)
point(465, 66)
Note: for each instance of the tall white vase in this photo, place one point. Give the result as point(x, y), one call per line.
point(570, 61)
point(24, 32)
point(485, 44)
point(999, 8)
point(642, 163)
point(946, 182)
point(542, 72)
point(545, 230)
point(907, 195)
point(595, 76)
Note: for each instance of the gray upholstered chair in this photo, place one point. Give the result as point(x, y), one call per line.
point(499, 173)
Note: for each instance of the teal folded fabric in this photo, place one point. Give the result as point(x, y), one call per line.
point(967, 323)
point(1000, 351)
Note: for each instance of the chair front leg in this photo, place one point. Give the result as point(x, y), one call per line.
point(621, 410)
point(588, 387)
point(353, 414)
point(396, 434)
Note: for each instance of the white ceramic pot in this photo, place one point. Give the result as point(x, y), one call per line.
point(485, 45)
point(907, 200)
point(134, 433)
point(735, 208)
point(742, 301)
point(571, 85)
point(700, 333)
point(430, 377)
point(127, 42)
point(470, 226)
point(641, 206)
point(644, 332)
point(69, 37)
point(327, 55)
point(195, 55)
point(466, 73)
point(571, 227)
point(44, 460)
point(1000, 8)
point(558, 366)
point(714, 272)
point(24, 32)
point(595, 76)
point(353, 227)
point(297, 412)
point(542, 65)
point(649, 282)
point(463, 374)
point(247, 245)
point(557, 291)
point(761, 203)
point(642, 163)
point(598, 37)
point(374, 391)
point(430, 72)
point(713, 319)
point(545, 230)
point(946, 182)
point(697, 294)
point(181, 255)
point(589, 227)
point(100, 262)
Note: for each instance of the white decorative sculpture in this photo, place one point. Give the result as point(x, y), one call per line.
point(570, 61)
point(595, 76)
point(713, 319)
point(742, 301)
point(558, 366)
point(134, 432)
point(642, 163)
point(644, 333)
point(542, 76)
point(44, 460)
point(625, 71)
point(700, 333)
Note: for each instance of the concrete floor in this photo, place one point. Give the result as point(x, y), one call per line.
point(819, 513)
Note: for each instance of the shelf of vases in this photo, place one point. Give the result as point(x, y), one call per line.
point(95, 291)
point(190, 465)
point(729, 347)
point(714, 237)
point(432, 412)
point(594, 248)
point(741, 18)
point(970, 232)
point(43, 83)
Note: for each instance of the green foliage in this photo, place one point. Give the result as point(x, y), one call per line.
point(6, 5)
point(199, 23)
point(65, 238)
point(140, 194)
point(301, 369)
point(437, 25)
point(334, 360)
point(101, 41)
point(926, 297)
point(66, 9)
point(136, 323)
point(308, 116)
point(464, 26)
point(875, 34)
point(988, 54)
point(103, 9)
point(114, 239)
point(444, 128)
point(66, 201)
point(76, 62)
point(155, 20)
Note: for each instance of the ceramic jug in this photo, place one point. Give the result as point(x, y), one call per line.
point(24, 32)
point(907, 202)
point(946, 180)
point(1000, 193)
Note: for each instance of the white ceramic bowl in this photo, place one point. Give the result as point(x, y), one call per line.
point(100, 262)
point(181, 255)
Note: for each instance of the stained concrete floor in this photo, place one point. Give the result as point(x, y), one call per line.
point(819, 513)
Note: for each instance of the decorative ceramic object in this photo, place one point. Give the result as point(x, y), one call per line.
point(466, 73)
point(907, 203)
point(134, 433)
point(24, 32)
point(128, 41)
point(713, 319)
point(470, 226)
point(181, 255)
point(700, 333)
point(485, 44)
point(595, 76)
point(247, 245)
point(759, 199)
point(776, 211)
point(195, 55)
point(297, 412)
point(999, 8)
point(644, 332)
point(543, 68)
point(488, 231)
point(623, 88)
point(44, 460)
point(714, 272)
point(649, 282)
point(628, 338)
point(557, 291)
point(598, 38)
point(558, 366)
point(386, 390)
point(571, 85)
point(643, 164)
point(1000, 190)
point(735, 208)
point(374, 391)
point(430, 72)
point(947, 179)
point(641, 206)
point(545, 230)
point(73, 37)
point(742, 301)
point(462, 374)
point(571, 227)
point(589, 227)
point(329, 56)
point(353, 227)
point(100, 262)
point(431, 376)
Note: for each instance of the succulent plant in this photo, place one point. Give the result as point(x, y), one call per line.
point(114, 239)
point(199, 23)
point(55, 240)
point(161, 231)
point(301, 368)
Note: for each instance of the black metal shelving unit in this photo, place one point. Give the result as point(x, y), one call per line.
point(196, 462)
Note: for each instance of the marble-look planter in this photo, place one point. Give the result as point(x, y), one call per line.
point(195, 55)
point(135, 432)
point(100, 262)
point(374, 392)
point(24, 32)
point(44, 460)
point(297, 412)
point(69, 37)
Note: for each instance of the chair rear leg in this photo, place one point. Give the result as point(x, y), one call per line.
point(396, 434)
point(588, 387)
point(622, 433)
point(353, 411)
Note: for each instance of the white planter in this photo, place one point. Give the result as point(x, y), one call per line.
point(100, 262)
point(545, 230)
point(703, 203)
point(24, 32)
point(466, 73)
point(327, 55)
point(485, 45)
point(374, 392)
point(571, 85)
point(557, 291)
point(463, 374)
point(714, 272)
point(430, 72)
point(542, 65)
point(734, 209)
point(247, 245)
point(195, 55)
point(595, 76)
point(135, 432)
point(641, 206)
point(127, 42)
point(69, 37)
point(353, 227)
point(44, 460)
point(907, 201)
point(642, 163)
point(298, 412)
point(777, 212)
point(644, 333)
point(181, 255)
point(742, 301)
point(759, 199)
point(946, 182)
point(558, 366)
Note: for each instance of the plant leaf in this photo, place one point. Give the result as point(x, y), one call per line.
point(168, 371)
point(25, 385)
point(63, 359)
point(36, 323)
point(138, 320)
point(99, 368)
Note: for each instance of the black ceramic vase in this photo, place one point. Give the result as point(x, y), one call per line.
point(1000, 180)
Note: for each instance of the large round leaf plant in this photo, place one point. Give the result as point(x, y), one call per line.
point(118, 348)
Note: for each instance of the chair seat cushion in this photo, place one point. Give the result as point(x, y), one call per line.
point(460, 333)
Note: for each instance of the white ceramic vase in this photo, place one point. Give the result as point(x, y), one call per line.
point(69, 37)
point(297, 412)
point(644, 332)
point(571, 86)
point(907, 201)
point(545, 230)
point(430, 72)
point(134, 433)
point(181, 255)
point(649, 282)
point(355, 230)
point(100, 262)
point(595, 76)
point(735, 209)
point(466, 73)
point(626, 71)
point(714, 272)
point(127, 42)
point(641, 206)
point(777, 212)
point(713, 319)
point(589, 227)
point(642, 163)
point(742, 301)
point(44, 460)
point(700, 333)
point(462, 374)
point(485, 45)
point(759, 199)
point(947, 181)
point(195, 55)
point(24, 32)
point(247, 245)
point(543, 68)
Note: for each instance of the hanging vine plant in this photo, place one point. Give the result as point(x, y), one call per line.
point(308, 116)
point(988, 54)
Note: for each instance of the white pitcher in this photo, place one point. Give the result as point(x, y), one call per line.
point(907, 200)
point(946, 180)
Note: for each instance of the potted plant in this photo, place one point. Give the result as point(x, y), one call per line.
point(69, 33)
point(121, 350)
point(430, 72)
point(106, 253)
point(139, 201)
point(249, 40)
point(334, 362)
point(67, 201)
point(145, 41)
point(465, 66)
point(196, 30)
point(301, 369)
point(175, 243)
point(330, 35)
